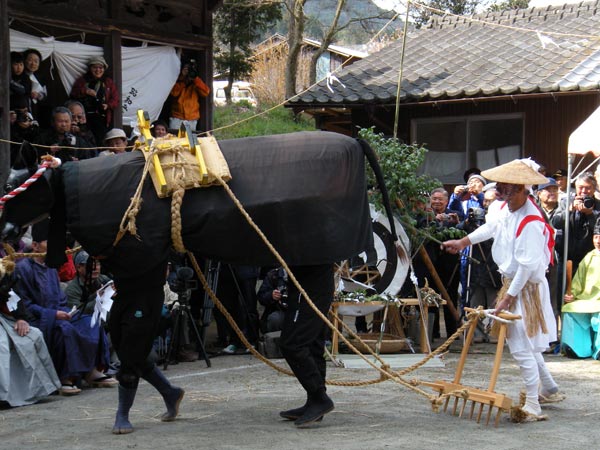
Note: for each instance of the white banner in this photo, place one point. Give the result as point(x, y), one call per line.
point(148, 72)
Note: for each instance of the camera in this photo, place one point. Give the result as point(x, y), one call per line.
point(588, 202)
point(69, 140)
point(26, 117)
point(192, 69)
point(284, 296)
point(475, 217)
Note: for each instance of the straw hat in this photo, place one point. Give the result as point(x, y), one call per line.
point(519, 171)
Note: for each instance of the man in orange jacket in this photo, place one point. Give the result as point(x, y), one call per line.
point(186, 97)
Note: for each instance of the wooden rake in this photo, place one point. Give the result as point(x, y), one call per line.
point(478, 398)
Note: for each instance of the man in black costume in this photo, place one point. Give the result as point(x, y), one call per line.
point(303, 339)
point(133, 324)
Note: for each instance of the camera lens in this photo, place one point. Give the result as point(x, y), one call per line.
point(588, 202)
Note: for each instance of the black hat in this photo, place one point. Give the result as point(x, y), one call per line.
point(471, 171)
point(559, 173)
point(39, 231)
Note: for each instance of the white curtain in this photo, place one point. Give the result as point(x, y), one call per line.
point(148, 72)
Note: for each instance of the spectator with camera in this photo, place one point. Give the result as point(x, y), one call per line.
point(582, 216)
point(445, 264)
point(99, 96)
point(273, 295)
point(24, 129)
point(79, 127)
point(469, 195)
point(61, 141)
point(186, 93)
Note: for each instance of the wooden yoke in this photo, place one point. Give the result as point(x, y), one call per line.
point(181, 161)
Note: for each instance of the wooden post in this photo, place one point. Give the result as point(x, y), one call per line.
point(113, 52)
point(5, 68)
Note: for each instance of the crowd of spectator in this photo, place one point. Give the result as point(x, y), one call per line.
point(83, 127)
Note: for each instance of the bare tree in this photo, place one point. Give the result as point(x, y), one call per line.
point(326, 41)
point(295, 35)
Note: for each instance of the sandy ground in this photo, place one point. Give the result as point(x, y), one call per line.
point(235, 404)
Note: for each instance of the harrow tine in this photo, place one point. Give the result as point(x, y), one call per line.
point(480, 412)
point(489, 415)
point(498, 414)
point(455, 406)
point(472, 410)
point(462, 408)
point(446, 403)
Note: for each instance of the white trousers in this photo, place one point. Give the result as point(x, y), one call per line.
point(535, 373)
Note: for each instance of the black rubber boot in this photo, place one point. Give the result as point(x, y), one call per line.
point(171, 395)
point(316, 407)
point(126, 398)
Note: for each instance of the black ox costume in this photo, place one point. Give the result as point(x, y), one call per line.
point(306, 191)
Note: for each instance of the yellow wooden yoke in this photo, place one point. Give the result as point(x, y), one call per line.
point(201, 155)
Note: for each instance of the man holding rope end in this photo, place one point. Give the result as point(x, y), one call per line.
point(522, 249)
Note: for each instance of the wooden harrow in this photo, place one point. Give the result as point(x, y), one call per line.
point(478, 398)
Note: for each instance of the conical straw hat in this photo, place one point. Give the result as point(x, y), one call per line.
point(515, 172)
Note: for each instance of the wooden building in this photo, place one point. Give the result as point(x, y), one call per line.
point(111, 24)
point(476, 91)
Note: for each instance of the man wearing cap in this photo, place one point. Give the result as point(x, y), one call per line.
point(81, 290)
point(522, 249)
point(581, 311)
point(561, 178)
point(99, 96)
point(116, 139)
point(77, 349)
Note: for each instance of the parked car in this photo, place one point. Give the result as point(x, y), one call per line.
point(240, 90)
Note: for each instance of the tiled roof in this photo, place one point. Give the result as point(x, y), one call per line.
point(459, 58)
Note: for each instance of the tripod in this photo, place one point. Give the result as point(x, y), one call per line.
point(182, 312)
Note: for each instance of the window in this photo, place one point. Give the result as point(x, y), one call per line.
point(457, 143)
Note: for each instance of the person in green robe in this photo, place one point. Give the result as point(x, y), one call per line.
point(581, 310)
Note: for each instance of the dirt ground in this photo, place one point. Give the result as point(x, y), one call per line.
point(235, 404)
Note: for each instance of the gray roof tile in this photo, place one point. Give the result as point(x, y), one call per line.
point(454, 57)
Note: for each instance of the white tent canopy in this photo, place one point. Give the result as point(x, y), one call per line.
point(586, 138)
point(148, 72)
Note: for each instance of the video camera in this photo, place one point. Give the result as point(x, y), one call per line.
point(183, 283)
point(475, 218)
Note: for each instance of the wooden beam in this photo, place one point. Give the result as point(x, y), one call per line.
point(5, 71)
point(102, 26)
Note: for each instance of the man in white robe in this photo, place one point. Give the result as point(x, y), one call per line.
point(522, 249)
